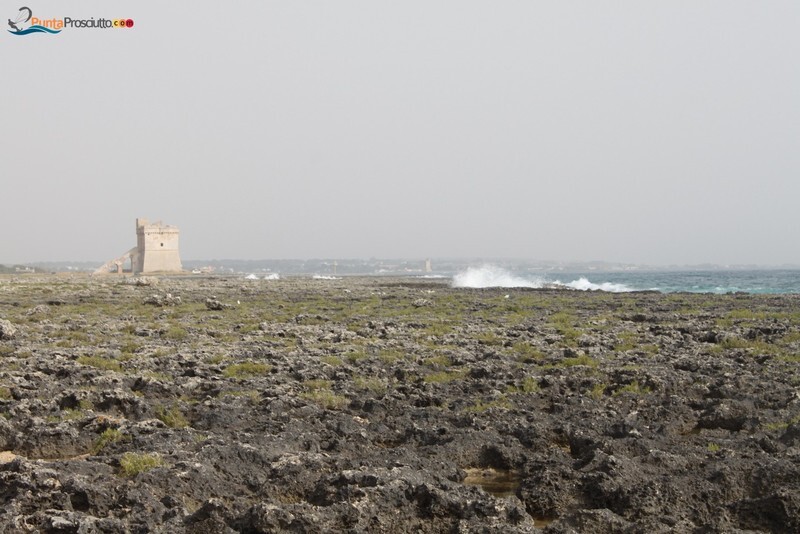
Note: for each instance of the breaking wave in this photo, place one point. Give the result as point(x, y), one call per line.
point(325, 277)
point(584, 284)
point(492, 276)
point(271, 276)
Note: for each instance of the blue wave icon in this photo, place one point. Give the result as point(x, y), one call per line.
point(35, 29)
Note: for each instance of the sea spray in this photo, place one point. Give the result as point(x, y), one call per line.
point(271, 276)
point(584, 284)
point(492, 276)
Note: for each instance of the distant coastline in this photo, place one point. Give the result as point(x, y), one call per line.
point(407, 266)
point(580, 276)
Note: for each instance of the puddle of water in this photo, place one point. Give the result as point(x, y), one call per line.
point(496, 482)
point(500, 483)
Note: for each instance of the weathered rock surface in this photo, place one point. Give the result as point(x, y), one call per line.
point(7, 330)
point(390, 405)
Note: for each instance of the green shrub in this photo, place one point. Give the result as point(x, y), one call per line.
point(133, 463)
point(376, 385)
point(216, 359)
point(109, 436)
point(172, 417)
point(791, 337)
point(479, 407)
point(156, 375)
point(489, 338)
point(438, 329)
point(561, 319)
point(129, 347)
point(319, 392)
point(246, 369)
point(326, 398)
point(355, 356)
point(583, 359)
point(746, 314)
point(634, 388)
point(782, 425)
point(100, 363)
point(77, 336)
point(176, 333)
point(444, 377)
point(735, 343)
point(529, 385)
point(391, 355)
point(564, 323)
point(70, 414)
point(526, 352)
point(313, 385)
point(628, 341)
point(438, 361)
point(597, 391)
point(334, 361)
point(649, 348)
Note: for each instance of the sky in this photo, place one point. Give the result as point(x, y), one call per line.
point(627, 131)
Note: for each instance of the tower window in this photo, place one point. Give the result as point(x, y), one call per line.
point(162, 244)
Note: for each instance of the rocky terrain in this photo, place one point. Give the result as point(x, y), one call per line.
point(215, 405)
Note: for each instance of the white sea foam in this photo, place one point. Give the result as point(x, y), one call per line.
point(272, 276)
point(325, 277)
point(492, 276)
point(584, 284)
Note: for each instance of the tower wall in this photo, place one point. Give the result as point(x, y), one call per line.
point(157, 248)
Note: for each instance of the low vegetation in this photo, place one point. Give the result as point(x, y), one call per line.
point(246, 370)
point(171, 416)
point(109, 436)
point(134, 463)
point(100, 363)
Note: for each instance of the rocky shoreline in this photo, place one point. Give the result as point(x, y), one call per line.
point(213, 405)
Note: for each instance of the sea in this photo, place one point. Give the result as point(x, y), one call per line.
point(771, 281)
point(506, 273)
point(484, 275)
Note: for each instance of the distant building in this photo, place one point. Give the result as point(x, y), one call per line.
point(156, 250)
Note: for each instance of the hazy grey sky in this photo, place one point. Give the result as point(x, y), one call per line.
point(648, 132)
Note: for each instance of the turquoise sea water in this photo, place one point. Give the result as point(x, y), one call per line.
point(719, 281)
point(763, 281)
point(464, 273)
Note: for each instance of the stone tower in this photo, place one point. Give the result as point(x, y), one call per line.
point(156, 248)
